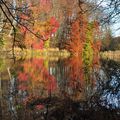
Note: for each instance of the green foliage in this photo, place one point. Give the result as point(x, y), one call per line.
point(47, 43)
point(46, 63)
point(1, 41)
point(87, 54)
point(19, 107)
point(2, 64)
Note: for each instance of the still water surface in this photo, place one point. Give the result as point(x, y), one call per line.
point(59, 89)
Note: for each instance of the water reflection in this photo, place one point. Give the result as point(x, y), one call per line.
point(34, 77)
point(110, 91)
point(64, 89)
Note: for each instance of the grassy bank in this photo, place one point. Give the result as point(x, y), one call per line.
point(115, 55)
point(45, 53)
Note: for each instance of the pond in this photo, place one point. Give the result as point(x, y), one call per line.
point(59, 89)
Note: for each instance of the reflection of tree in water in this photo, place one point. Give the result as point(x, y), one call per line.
point(31, 79)
point(36, 74)
point(80, 78)
point(75, 77)
point(95, 107)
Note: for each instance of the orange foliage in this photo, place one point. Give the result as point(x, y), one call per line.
point(23, 30)
point(30, 19)
point(82, 32)
point(24, 17)
point(96, 57)
point(44, 29)
point(45, 5)
point(77, 37)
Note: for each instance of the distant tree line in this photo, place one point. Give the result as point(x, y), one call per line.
point(112, 44)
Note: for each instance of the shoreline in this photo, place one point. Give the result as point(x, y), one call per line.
point(54, 53)
point(114, 55)
point(29, 53)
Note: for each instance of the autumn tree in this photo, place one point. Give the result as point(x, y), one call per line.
point(27, 20)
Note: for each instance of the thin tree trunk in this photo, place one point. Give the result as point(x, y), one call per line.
point(1, 22)
point(14, 20)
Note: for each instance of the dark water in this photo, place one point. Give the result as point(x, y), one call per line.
point(59, 89)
